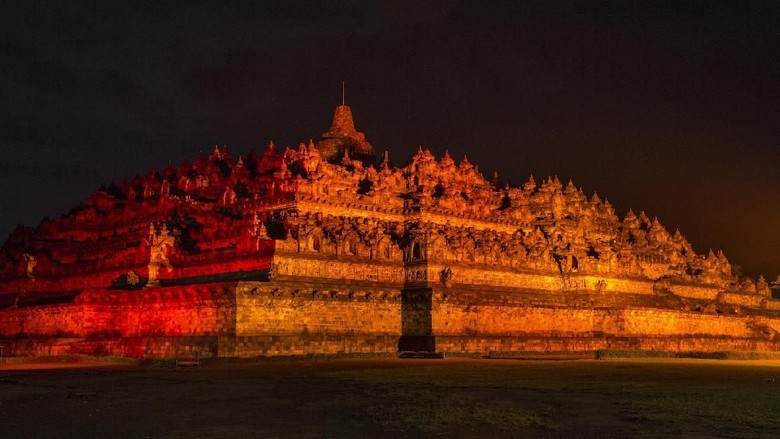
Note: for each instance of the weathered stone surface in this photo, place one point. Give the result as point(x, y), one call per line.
point(317, 250)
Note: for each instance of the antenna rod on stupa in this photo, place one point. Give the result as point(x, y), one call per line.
point(342, 94)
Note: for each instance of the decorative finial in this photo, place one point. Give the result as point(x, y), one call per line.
point(345, 160)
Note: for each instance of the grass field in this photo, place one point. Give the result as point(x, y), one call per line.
point(397, 398)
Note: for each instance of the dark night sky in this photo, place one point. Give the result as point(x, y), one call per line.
point(668, 107)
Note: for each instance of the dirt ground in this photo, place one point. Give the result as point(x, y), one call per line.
point(393, 398)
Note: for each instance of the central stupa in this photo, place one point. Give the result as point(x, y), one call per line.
point(343, 142)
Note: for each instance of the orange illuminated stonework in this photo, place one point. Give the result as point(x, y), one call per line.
point(317, 249)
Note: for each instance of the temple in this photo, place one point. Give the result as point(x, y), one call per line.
point(323, 249)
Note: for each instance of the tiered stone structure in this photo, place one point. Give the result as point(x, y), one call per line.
point(317, 249)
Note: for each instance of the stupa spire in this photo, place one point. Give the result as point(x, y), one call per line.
point(343, 136)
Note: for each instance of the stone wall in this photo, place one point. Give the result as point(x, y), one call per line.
point(272, 308)
point(247, 319)
point(487, 344)
point(287, 318)
point(175, 311)
point(476, 274)
point(299, 344)
point(333, 269)
point(132, 347)
point(694, 291)
point(51, 320)
point(299, 316)
point(514, 321)
point(747, 300)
